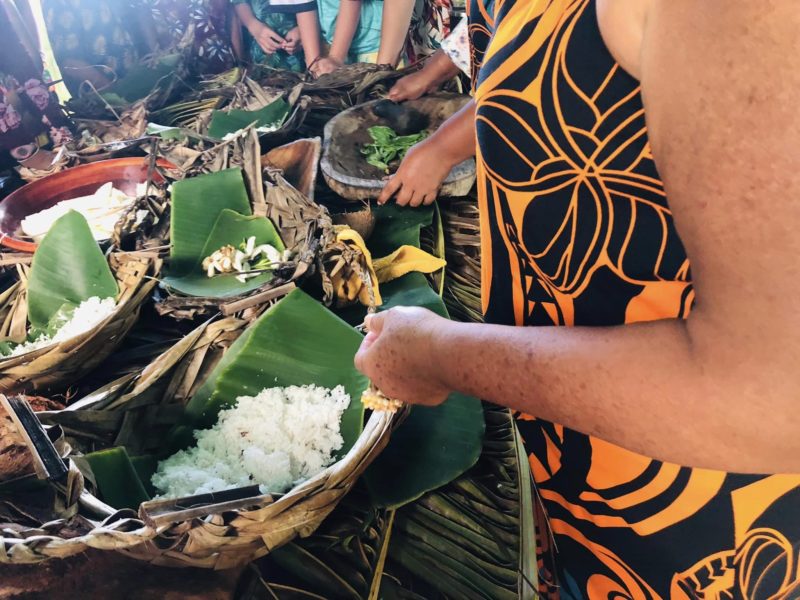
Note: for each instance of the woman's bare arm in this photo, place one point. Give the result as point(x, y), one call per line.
point(428, 164)
point(721, 86)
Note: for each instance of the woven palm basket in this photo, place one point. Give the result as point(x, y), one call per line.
point(51, 367)
point(220, 531)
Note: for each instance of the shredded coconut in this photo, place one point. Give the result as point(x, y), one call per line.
point(89, 314)
point(276, 439)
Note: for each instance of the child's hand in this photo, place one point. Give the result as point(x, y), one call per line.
point(265, 37)
point(325, 65)
point(293, 42)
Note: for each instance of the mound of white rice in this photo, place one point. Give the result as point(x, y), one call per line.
point(88, 315)
point(277, 439)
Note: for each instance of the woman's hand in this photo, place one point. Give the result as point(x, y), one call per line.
point(398, 357)
point(417, 181)
point(412, 86)
point(327, 64)
point(293, 42)
point(269, 41)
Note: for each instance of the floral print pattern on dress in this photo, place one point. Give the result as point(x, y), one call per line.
point(456, 46)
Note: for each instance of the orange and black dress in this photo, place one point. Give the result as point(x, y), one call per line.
point(577, 231)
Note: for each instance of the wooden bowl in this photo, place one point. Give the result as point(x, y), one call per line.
point(349, 175)
point(124, 173)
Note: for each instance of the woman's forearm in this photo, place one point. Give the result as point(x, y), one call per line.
point(455, 138)
point(308, 23)
point(394, 30)
point(346, 25)
point(645, 387)
point(440, 68)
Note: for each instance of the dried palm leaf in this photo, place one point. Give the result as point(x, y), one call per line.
point(473, 538)
point(462, 286)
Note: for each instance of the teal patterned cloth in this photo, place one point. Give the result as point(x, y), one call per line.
point(281, 23)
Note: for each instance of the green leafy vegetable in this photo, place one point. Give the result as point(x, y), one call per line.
point(387, 146)
point(68, 268)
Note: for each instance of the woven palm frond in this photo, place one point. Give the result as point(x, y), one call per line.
point(217, 531)
point(462, 285)
point(60, 364)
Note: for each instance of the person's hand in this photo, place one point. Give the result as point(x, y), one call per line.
point(269, 41)
point(419, 177)
point(327, 64)
point(397, 355)
point(410, 87)
point(293, 42)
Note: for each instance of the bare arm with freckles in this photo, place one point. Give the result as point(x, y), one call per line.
point(721, 86)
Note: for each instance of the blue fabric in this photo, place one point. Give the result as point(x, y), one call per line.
point(367, 38)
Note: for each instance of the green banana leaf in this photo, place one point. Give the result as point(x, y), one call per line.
point(397, 226)
point(225, 122)
point(140, 80)
point(196, 205)
point(68, 268)
point(296, 342)
point(231, 228)
point(117, 479)
point(474, 538)
point(434, 445)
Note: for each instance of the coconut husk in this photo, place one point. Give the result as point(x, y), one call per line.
point(58, 365)
point(298, 162)
point(361, 221)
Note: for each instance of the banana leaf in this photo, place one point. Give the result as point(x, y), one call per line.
point(117, 479)
point(68, 268)
point(232, 229)
point(225, 122)
point(434, 445)
point(296, 342)
point(140, 80)
point(196, 205)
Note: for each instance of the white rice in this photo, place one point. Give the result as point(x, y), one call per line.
point(102, 211)
point(89, 314)
point(277, 439)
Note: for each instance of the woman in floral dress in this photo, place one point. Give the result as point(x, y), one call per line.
point(30, 116)
point(206, 22)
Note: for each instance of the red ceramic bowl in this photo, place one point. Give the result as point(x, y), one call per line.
point(39, 195)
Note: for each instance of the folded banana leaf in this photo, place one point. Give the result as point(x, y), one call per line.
point(68, 268)
point(209, 212)
point(296, 342)
point(415, 461)
point(271, 116)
